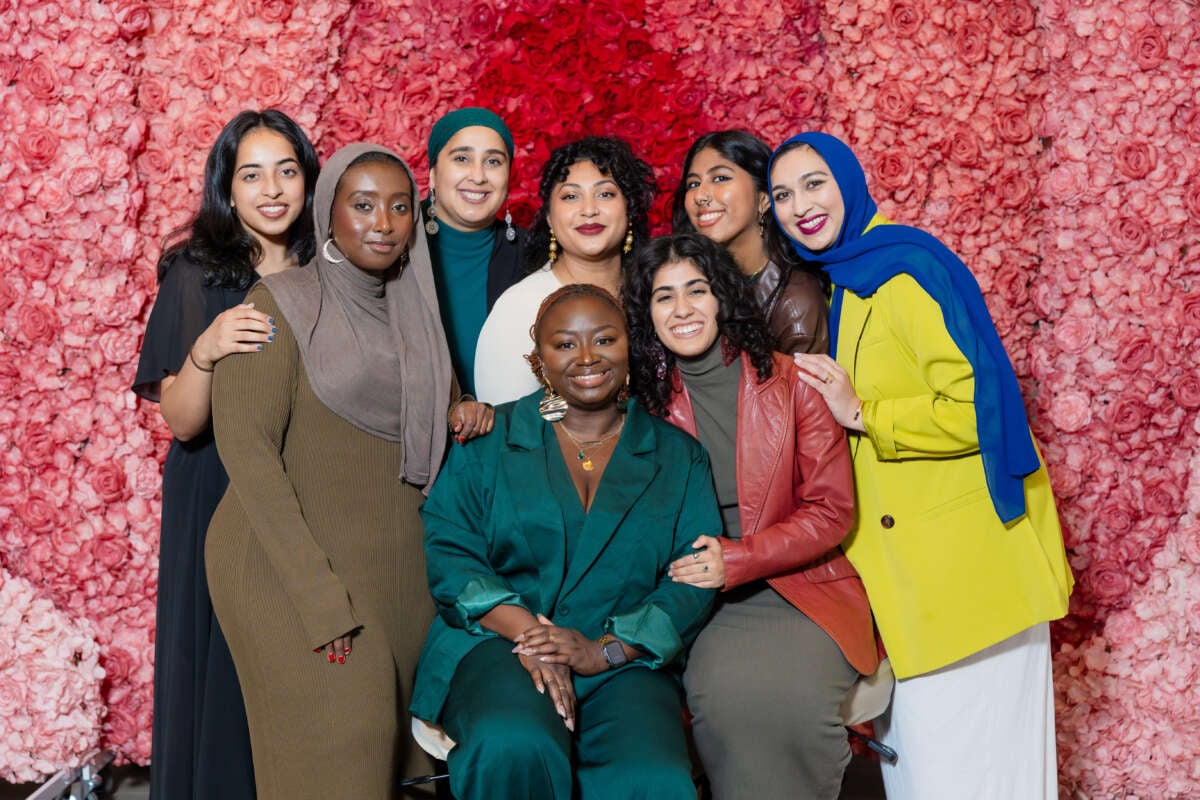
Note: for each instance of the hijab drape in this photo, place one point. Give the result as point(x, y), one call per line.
point(867, 254)
point(372, 343)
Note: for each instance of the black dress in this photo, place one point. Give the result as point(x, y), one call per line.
point(200, 741)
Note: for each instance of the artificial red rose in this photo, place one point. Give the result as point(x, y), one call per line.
point(1011, 124)
point(1129, 235)
point(39, 145)
point(1136, 159)
point(894, 101)
point(1149, 47)
point(480, 21)
point(604, 20)
point(37, 323)
point(133, 18)
point(686, 100)
point(962, 146)
point(971, 41)
point(39, 77)
point(1016, 17)
point(1011, 190)
point(905, 17)
point(1186, 391)
point(1109, 582)
point(893, 169)
point(806, 19)
point(1126, 414)
point(37, 512)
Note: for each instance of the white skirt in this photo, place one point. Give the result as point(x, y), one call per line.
point(981, 728)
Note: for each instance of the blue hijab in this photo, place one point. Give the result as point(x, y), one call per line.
point(861, 261)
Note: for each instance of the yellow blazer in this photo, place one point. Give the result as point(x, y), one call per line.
point(945, 576)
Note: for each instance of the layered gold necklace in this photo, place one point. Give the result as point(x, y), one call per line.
point(585, 460)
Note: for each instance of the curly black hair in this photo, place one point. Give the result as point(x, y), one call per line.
point(739, 318)
point(614, 158)
point(751, 154)
point(215, 238)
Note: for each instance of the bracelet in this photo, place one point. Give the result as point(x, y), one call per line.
point(196, 363)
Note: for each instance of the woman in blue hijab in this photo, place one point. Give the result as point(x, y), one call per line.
point(957, 538)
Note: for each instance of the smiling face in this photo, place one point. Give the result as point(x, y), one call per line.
point(808, 202)
point(372, 219)
point(587, 213)
point(584, 350)
point(470, 178)
point(267, 193)
point(684, 309)
point(721, 199)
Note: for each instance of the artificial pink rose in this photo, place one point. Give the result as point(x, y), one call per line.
point(966, 217)
point(133, 18)
point(1109, 582)
point(37, 512)
point(1136, 353)
point(1149, 47)
point(803, 101)
point(894, 101)
point(203, 68)
point(1011, 282)
point(37, 323)
point(971, 41)
point(1011, 190)
point(272, 10)
point(119, 345)
point(1071, 411)
point(1191, 196)
point(893, 169)
point(961, 146)
point(153, 93)
point(38, 144)
point(905, 17)
point(110, 551)
point(1074, 333)
point(40, 78)
point(270, 87)
point(1129, 235)
point(83, 179)
point(1011, 124)
point(1185, 390)
point(1116, 515)
point(37, 260)
point(1016, 17)
point(1126, 414)
point(1162, 497)
point(109, 482)
point(1136, 159)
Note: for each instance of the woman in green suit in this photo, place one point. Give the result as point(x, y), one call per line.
point(555, 657)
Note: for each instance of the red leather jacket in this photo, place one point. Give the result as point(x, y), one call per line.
point(796, 504)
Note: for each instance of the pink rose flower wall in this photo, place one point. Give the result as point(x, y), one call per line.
point(1052, 144)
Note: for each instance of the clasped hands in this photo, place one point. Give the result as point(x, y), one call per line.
point(468, 418)
point(551, 655)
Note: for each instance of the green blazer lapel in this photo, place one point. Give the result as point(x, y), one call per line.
point(628, 474)
point(540, 525)
point(855, 314)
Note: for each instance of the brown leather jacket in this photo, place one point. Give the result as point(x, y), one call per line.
point(798, 317)
point(796, 504)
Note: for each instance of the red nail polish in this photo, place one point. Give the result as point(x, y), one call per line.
point(341, 659)
point(331, 658)
point(460, 439)
point(347, 651)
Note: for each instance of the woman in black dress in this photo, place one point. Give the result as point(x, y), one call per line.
point(255, 218)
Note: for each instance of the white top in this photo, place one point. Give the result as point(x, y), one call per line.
point(501, 372)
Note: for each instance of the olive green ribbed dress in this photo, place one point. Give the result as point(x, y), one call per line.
point(315, 536)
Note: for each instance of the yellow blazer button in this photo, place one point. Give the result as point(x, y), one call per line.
point(887, 521)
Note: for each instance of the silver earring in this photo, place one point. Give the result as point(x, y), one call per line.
point(431, 224)
point(325, 252)
point(510, 232)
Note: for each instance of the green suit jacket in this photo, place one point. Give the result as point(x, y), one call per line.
point(496, 533)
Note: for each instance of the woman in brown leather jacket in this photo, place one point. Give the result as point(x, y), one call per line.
point(723, 195)
point(792, 629)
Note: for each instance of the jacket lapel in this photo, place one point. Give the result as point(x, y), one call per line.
point(628, 474)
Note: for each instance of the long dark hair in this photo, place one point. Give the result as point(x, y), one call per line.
point(739, 318)
point(751, 154)
point(215, 238)
point(614, 158)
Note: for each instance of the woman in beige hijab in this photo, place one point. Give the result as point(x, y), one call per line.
point(330, 437)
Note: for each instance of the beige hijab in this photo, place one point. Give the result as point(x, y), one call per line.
point(372, 344)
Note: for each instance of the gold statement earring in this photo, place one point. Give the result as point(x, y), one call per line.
point(553, 247)
point(552, 407)
point(431, 224)
point(628, 240)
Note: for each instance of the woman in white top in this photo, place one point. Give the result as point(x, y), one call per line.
point(596, 197)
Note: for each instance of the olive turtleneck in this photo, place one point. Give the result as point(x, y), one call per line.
point(713, 388)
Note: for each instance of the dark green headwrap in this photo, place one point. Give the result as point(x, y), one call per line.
point(445, 128)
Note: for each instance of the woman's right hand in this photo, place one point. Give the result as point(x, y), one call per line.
point(338, 650)
point(240, 329)
point(556, 679)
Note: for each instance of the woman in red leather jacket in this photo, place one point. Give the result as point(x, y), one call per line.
point(792, 629)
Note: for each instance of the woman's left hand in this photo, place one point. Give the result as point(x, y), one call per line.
point(704, 568)
point(554, 645)
point(469, 419)
point(828, 378)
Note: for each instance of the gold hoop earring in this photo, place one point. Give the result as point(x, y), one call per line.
point(325, 252)
point(553, 247)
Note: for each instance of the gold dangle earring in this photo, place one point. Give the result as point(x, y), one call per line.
point(553, 247)
point(628, 240)
point(431, 224)
point(552, 407)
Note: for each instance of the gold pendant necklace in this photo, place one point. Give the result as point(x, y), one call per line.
point(585, 461)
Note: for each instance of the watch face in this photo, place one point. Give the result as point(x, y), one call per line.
point(614, 654)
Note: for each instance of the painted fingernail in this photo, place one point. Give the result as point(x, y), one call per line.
point(271, 338)
point(259, 347)
point(274, 329)
point(341, 659)
point(331, 658)
point(460, 439)
point(347, 651)
point(270, 320)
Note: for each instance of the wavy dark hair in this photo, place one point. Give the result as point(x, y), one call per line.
point(739, 318)
point(614, 158)
point(751, 154)
point(215, 238)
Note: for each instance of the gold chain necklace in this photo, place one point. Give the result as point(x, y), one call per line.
point(585, 460)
